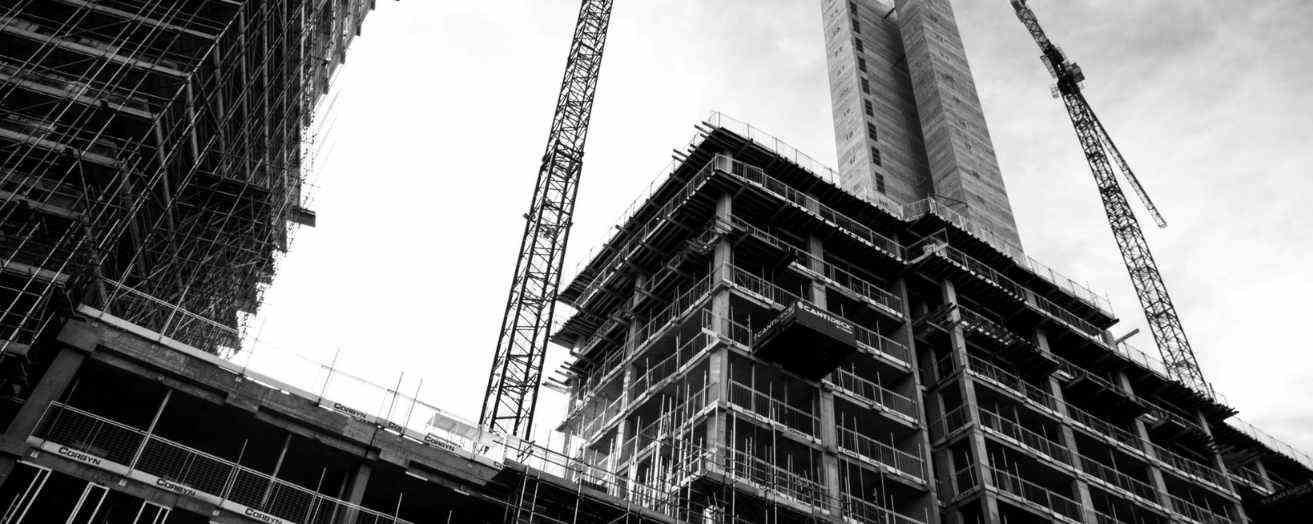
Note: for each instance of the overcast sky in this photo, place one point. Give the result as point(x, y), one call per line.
point(444, 108)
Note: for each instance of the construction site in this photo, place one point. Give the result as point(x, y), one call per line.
point(762, 339)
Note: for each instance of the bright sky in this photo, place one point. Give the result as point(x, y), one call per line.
point(444, 109)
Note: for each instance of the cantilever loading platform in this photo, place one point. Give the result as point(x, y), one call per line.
point(807, 341)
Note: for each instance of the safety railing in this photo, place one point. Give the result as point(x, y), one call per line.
point(102, 441)
point(607, 255)
point(807, 421)
point(915, 210)
point(910, 464)
point(167, 321)
point(673, 419)
point(881, 344)
point(1188, 467)
point(677, 309)
point(1200, 514)
point(847, 380)
point(987, 370)
point(848, 281)
point(596, 414)
point(1013, 483)
point(809, 204)
point(983, 325)
point(781, 297)
point(760, 286)
point(1025, 436)
point(649, 374)
point(1251, 477)
point(1118, 479)
point(866, 512)
point(1102, 427)
point(951, 421)
point(1271, 442)
point(804, 488)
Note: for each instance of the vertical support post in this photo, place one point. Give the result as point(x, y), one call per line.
point(1155, 474)
point(1237, 508)
point(829, 424)
point(278, 468)
point(1068, 435)
point(908, 336)
point(150, 430)
point(52, 384)
point(356, 491)
point(718, 365)
point(972, 407)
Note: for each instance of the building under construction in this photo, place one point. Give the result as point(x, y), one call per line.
point(762, 340)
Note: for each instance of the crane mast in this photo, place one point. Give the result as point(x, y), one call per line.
point(1164, 323)
point(513, 381)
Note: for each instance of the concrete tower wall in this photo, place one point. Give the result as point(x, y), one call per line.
point(961, 155)
point(907, 119)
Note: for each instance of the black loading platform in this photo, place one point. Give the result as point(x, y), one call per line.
point(807, 340)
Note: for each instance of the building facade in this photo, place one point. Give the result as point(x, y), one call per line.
point(907, 120)
point(774, 348)
point(760, 342)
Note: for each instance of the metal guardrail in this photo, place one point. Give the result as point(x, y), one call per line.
point(1116, 478)
point(807, 421)
point(910, 464)
point(1026, 436)
point(845, 379)
point(108, 444)
point(1200, 514)
point(1030, 491)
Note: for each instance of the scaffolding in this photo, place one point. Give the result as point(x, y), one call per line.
point(158, 146)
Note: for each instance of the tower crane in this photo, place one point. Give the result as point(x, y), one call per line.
point(513, 381)
point(1164, 323)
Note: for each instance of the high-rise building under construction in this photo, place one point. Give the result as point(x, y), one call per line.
point(762, 340)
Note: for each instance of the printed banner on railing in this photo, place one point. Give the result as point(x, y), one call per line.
point(152, 480)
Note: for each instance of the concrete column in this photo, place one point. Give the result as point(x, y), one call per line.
point(908, 337)
point(359, 482)
point(1237, 508)
point(1262, 474)
point(972, 407)
point(830, 443)
point(718, 364)
point(52, 384)
point(1155, 474)
point(626, 384)
point(1081, 488)
point(816, 249)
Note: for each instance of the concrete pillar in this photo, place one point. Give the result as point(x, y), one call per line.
point(626, 384)
point(830, 443)
point(1262, 474)
point(908, 337)
point(816, 249)
point(359, 481)
point(52, 384)
point(1080, 487)
point(972, 407)
point(1155, 474)
point(718, 364)
point(1237, 508)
